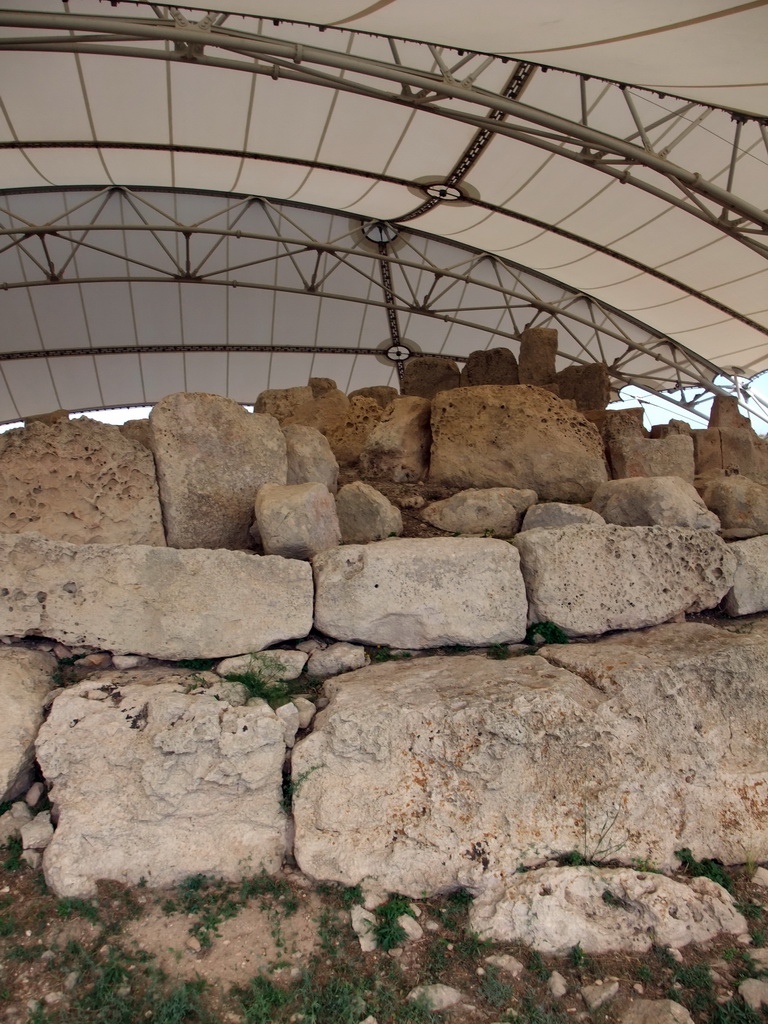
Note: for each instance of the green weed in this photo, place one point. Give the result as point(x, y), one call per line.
point(537, 966)
point(197, 664)
point(15, 850)
point(264, 679)
point(499, 652)
point(549, 633)
point(387, 930)
point(493, 989)
point(705, 868)
point(383, 653)
point(67, 906)
point(7, 924)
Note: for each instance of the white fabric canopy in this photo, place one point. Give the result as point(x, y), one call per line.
point(191, 200)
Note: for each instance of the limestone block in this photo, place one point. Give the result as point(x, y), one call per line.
point(158, 783)
point(725, 413)
point(707, 452)
point(310, 458)
point(740, 504)
point(421, 593)
point(163, 602)
point(282, 403)
point(749, 592)
point(618, 424)
point(48, 417)
point(426, 376)
point(274, 664)
point(667, 456)
point(489, 366)
point(492, 510)
point(659, 430)
point(553, 909)
point(592, 579)
point(346, 423)
point(538, 354)
point(320, 386)
point(25, 680)
point(366, 515)
point(551, 514)
point(521, 437)
point(335, 659)
point(212, 456)
point(397, 448)
point(653, 501)
point(297, 520)
point(589, 386)
point(79, 481)
point(439, 772)
point(13, 819)
point(656, 1011)
point(137, 430)
point(383, 396)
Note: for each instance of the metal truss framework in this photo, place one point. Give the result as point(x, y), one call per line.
point(401, 281)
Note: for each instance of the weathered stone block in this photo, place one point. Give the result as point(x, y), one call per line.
point(310, 458)
point(25, 679)
point(426, 376)
point(496, 511)
point(282, 403)
point(589, 386)
point(653, 501)
point(297, 520)
point(397, 448)
point(489, 366)
point(551, 514)
point(740, 504)
point(749, 592)
point(538, 355)
point(365, 514)
point(668, 456)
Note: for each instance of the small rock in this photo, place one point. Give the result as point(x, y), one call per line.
point(311, 644)
point(71, 980)
point(101, 660)
point(37, 833)
point(362, 924)
point(760, 877)
point(506, 963)
point(52, 998)
point(33, 858)
point(557, 985)
point(126, 661)
point(754, 992)
point(675, 954)
point(432, 926)
point(289, 716)
point(61, 651)
point(395, 953)
point(411, 927)
point(306, 711)
point(760, 956)
point(744, 940)
point(193, 944)
point(336, 659)
point(34, 794)
point(12, 820)
point(637, 987)
point(439, 997)
point(656, 1011)
point(596, 995)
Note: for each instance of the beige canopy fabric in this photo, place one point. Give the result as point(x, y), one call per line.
point(237, 199)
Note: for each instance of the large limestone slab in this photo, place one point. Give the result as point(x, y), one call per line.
point(666, 456)
point(397, 448)
point(212, 456)
point(749, 592)
point(421, 593)
point(157, 601)
point(521, 437)
point(653, 501)
point(25, 679)
point(592, 579)
point(554, 909)
point(152, 781)
point(79, 481)
point(345, 422)
point(440, 772)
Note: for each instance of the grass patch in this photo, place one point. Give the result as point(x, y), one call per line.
point(387, 930)
point(499, 652)
point(704, 868)
point(549, 633)
point(67, 907)
point(197, 664)
point(14, 849)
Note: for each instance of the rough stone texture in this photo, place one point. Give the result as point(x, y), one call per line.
point(421, 593)
point(320, 386)
point(335, 659)
point(363, 923)
point(438, 996)
point(212, 456)
point(346, 423)
point(754, 992)
point(595, 996)
point(653, 501)
point(25, 680)
point(426, 376)
point(659, 430)
point(137, 430)
point(273, 664)
point(11, 822)
point(740, 504)
point(731, 450)
point(365, 514)
point(725, 413)
point(442, 771)
point(656, 1011)
point(397, 448)
point(489, 366)
point(310, 458)
point(553, 909)
point(551, 514)
point(592, 579)
point(382, 395)
point(667, 456)
point(589, 386)
point(618, 424)
point(157, 601)
point(538, 352)
point(498, 510)
point(158, 783)
point(37, 833)
point(749, 592)
point(297, 520)
point(48, 417)
point(79, 481)
point(522, 437)
point(282, 403)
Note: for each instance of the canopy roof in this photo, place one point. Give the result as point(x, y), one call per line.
point(354, 183)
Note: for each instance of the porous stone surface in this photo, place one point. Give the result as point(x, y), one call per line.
point(212, 456)
point(296, 520)
point(425, 376)
point(310, 458)
point(421, 593)
point(25, 680)
point(740, 504)
point(653, 501)
point(381, 394)
point(345, 422)
point(553, 909)
point(137, 430)
point(365, 514)
point(162, 602)
point(495, 510)
point(397, 448)
point(550, 514)
point(589, 386)
point(79, 481)
point(668, 456)
point(538, 353)
point(282, 403)
point(749, 592)
point(592, 579)
point(159, 783)
point(656, 1011)
point(489, 366)
point(335, 659)
point(440, 772)
point(521, 437)
point(273, 664)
